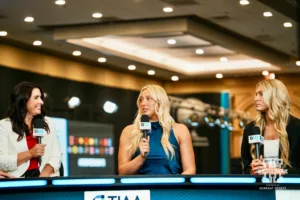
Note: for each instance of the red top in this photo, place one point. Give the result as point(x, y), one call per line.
point(31, 141)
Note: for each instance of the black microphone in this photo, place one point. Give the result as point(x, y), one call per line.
point(38, 132)
point(145, 127)
point(256, 139)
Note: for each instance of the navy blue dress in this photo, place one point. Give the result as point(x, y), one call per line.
point(157, 161)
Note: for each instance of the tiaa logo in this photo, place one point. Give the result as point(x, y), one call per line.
point(118, 195)
point(99, 197)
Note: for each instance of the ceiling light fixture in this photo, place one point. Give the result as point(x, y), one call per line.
point(76, 53)
point(124, 48)
point(110, 107)
point(171, 41)
point(74, 102)
point(37, 43)
point(265, 73)
point(97, 15)
point(102, 60)
point(45, 95)
point(298, 63)
point(29, 19)
point(223, 59)
point(60, 2)
point(244, 2)
point(272, 76)
point(3, 33)
point(287, 24)
point(219, 75)
point(268, 14)
point(168, 9)
point(131, 67)
point(151, 72)
point(199, 51)
point(174, 78)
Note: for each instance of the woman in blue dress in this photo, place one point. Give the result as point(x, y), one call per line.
point(168, 148)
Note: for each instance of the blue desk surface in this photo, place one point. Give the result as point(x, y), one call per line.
point(210, 187)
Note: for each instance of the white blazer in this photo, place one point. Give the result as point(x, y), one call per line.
point(10, 147)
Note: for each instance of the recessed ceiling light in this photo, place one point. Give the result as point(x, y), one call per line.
point(223, 59)
point(171, 41)
point(60, 2)
point(298, 63)
point(168, 9)
point(151, 72)
point(97, 15)
point(199, 51)
point(174, 78)
point(244, 2)
point(219, 75)
point(29, 19)
point(76, 53)
point(131, 67)
point(102, 59)
point(37, 43)
point(265, 73)
point(3, 33)
point(272, 76)
point(268, 14)
point(287, 24)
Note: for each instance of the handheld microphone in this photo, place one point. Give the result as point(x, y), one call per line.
point(256, 139)
point(38, 132)
point(145, 126)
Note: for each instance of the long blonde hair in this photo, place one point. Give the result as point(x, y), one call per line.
point(162, 110)
point(276, 96)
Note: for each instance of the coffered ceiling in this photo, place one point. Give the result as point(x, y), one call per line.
point(199, 39)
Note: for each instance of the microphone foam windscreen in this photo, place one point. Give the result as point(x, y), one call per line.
point(255, 130)
point(145, 118)
point(38, 123)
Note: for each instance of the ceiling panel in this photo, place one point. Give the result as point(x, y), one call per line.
point(246, 21)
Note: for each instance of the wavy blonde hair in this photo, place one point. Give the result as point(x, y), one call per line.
point(162, 110)
point(276, 97)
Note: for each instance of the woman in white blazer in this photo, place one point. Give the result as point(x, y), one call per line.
point(19, 150)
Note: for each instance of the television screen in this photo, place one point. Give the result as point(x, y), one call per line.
point(90, 149)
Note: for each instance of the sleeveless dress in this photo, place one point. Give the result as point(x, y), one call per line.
point(157, 161)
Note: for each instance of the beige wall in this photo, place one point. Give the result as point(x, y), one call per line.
point(45, 64)
point(241, 89)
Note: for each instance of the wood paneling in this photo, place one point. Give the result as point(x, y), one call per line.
point(21, 59)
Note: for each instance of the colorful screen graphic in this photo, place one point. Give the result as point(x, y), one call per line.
point(90, 149)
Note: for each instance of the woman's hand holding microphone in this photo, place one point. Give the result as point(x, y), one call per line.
point(144, 147)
